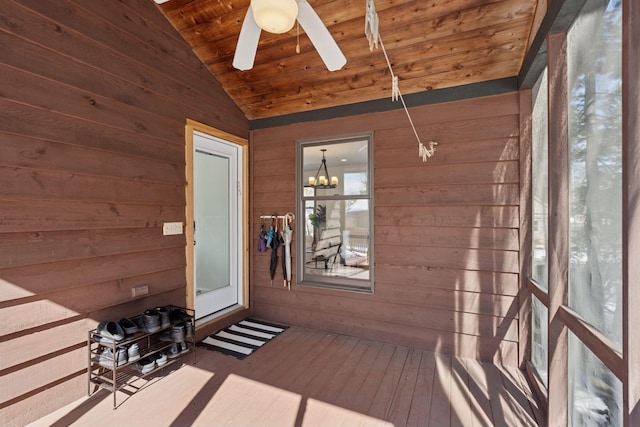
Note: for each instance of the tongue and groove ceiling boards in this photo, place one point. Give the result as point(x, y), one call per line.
point(431, 44)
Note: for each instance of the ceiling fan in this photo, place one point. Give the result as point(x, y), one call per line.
point(279, 16)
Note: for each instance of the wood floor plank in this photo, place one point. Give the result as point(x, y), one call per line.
point(516, 398)
point(270, 355)
point(306, 377)
point(461, 415)
point(328, 372)
point(399, 409)
point(316, 376)
point(346, 377)
point(384, 396)
point(361, 400)
point(267, 359)
point(523, 385)
point(421, 403)
point(345, 374)
point(283, 360)
point(301, 365)
point(316, 370)
point(478, 390)
point(501, 406)
point(357, 378)
point(440, 414)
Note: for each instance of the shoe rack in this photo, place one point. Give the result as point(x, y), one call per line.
point(127, 376)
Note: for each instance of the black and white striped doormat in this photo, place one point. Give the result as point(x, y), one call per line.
point(243, 338)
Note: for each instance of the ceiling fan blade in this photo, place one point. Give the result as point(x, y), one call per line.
point(247, 43)
point(320, 37)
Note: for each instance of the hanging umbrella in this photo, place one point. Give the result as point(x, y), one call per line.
point(270, 235)
point(287, 235)
point(284, 259)
point(262, 240)
point(275, 242)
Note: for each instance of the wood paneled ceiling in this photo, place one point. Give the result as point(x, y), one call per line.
point(431, 44)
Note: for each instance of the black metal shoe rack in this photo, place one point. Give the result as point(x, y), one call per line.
point(123, 377)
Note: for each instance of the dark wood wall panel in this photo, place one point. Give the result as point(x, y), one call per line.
point(28, 152)
point(415, 336)
point(23, 183)
point(408, 313)
point(488, 282)
point(453, 237)
point(448, 216)
point(495, 149)
point(41, 215)
point(23, 249)
point(49, 277)
point(446, 231)
point(94, 98)
point(39, 123)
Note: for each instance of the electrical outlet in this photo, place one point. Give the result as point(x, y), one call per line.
point(170, 228)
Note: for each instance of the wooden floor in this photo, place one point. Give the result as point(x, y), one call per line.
point(311, 378)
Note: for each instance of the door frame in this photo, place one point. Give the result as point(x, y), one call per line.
point(190, 127)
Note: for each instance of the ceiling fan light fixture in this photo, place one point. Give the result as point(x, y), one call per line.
point(275, 16)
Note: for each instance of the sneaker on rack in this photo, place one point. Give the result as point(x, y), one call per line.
point(165, 336)
point(109, 332)
point(128, 326)
point(105, 358)
point(177, 333)
point(164, 317)
point(146, 365)
point(188, 329)
point(179, 316)
point(133, 352)
point(173, 351)
point(160, 358)
point(122, 356)
point(150, 321)
point(183, 347)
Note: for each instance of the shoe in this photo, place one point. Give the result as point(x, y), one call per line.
point(109, 332)
point(183, 347)
point(177, 333)
point(150, 321)
point(174, 351)
point(164, 317)
point(179, 316)
point(160, 358)
point(188, 329)
point(105, 358)
point(133, 352)
point(165, 336)
point(128, 326)
point(122, 356)
point(146, 365)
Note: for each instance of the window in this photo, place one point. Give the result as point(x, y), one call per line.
point(539, 340)
point(595, 393)
point(335, 213)
point(594, 52)
point(594, 47)
point(540, 219)
point(540, 182)
point(585, 346)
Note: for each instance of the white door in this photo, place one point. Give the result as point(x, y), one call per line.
point(217, 213)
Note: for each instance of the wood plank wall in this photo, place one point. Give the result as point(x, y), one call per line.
point(446, 231)
point(93, 101)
